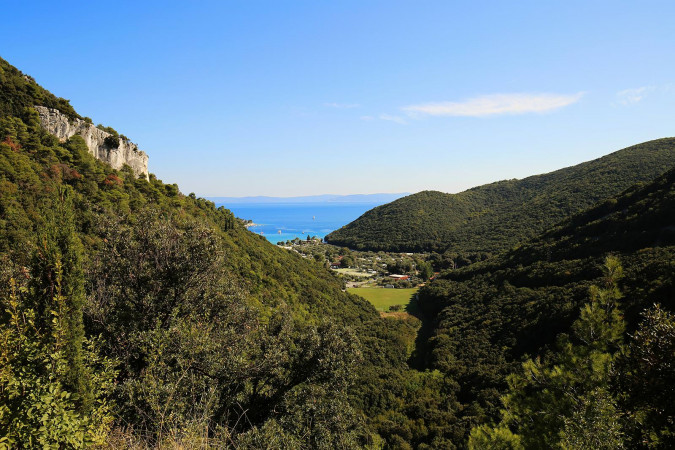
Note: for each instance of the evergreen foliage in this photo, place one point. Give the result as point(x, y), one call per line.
point(490, 315)
point(213, 338)
point(19, 91)
point(211, 328)
point(57, 273)
point(645, 381)
point(53, 382)
point(596, 394)
point(564, 401)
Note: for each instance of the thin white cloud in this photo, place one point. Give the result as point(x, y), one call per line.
point(387, 117)
point(633, 96)
point(390, 118)
point(495, 104)
point(342, 105)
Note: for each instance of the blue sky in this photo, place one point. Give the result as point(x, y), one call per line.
point(238, 98)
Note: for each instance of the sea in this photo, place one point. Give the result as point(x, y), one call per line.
point(286, 221)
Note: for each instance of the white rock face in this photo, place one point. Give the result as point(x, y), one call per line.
point(58, 124)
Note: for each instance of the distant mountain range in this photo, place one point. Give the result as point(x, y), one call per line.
point(325, 198)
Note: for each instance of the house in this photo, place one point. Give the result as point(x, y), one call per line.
point(335, 265)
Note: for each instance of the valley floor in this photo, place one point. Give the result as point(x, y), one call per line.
point(384, 299)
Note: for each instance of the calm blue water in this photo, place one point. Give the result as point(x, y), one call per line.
point(298, 219)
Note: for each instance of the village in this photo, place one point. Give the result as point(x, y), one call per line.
point(389, 281)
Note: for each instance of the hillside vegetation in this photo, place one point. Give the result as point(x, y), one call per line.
point(134, 316)
point(490, 315)
point(495, 217)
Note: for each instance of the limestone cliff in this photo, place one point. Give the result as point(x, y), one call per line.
point(58, 124)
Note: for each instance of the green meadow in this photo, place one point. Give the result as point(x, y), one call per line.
point(383, 298)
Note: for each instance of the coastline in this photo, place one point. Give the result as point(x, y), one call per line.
point(279, 222)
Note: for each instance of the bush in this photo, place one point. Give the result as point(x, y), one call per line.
point(112, 141)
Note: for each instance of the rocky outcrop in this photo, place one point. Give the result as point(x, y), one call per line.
point(58, 124)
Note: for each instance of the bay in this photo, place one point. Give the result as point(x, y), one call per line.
point(286, 221)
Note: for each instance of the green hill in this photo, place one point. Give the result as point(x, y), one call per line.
point(134, 313)
point(495, 217)
point(489, 315)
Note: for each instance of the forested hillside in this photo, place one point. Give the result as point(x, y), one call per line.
point(491, 314)
point(136, 315)
point(495, 217)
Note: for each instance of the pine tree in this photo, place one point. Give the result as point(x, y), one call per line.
point(645, 380)
point(565, 401)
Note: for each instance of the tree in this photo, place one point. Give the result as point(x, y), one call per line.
point(37, 407)
point(565, 401)
point(111, 141)
point(645, 380)
point(426, 271)
point(57, 274)
point(347, 261)
point(53, 382)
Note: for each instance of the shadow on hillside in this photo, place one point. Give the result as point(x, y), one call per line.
point(419, 359)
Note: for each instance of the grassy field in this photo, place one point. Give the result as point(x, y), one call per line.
point(353, 272)
point(382, 298)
